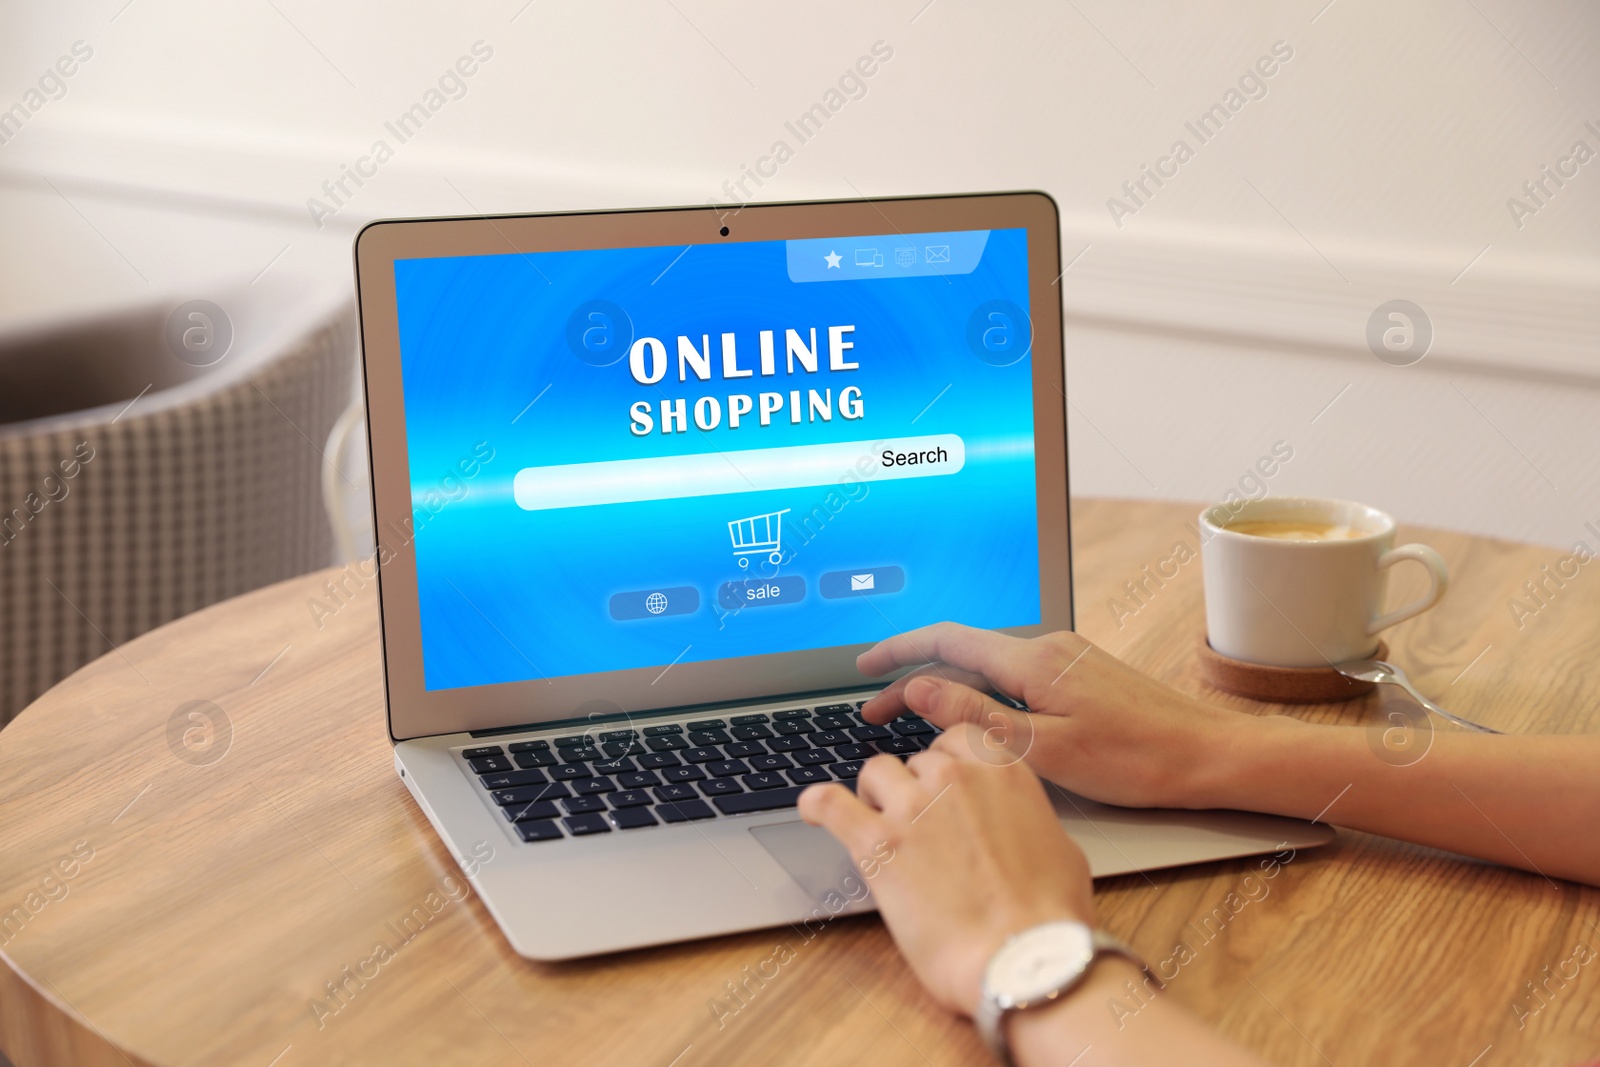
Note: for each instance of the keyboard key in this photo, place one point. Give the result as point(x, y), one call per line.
point(575, 741)
point(612, 766)
point(489, 764)
point(629, 798)
point(834, 722)
point(741, 749)
point(751, 733)
point(619, 735)
point(656, 760)
point(566, 772)
point(709, 737)
point(529, 746)
point(685, 810)
point(701, 754)
point(667, 743)
point(787, 744)
point(581, 805)
point(899, 746)
point(720, 787)
point(535, 758)
point(727, 768)
point(812, 757)
point(638, 779)
point(912, 727)
point(539, 809)
point(659, 731)
point(855, 752)
point(765, 780)
point(618, 749)
point(480, 753)
point(512, 779)
point(807, 775)
point(871, 733)
point(707, 724)
point(682, 774)
point(674, 792)
point(633, 818)
point(744, 803)
point(835, 709)
point(578, 755)
point(793, 727)
point(829, 738)
point(524, 794)
point(770, 763)
point(749, 720)
point(846, 770)
point(539, 831)
point(583, 825)
point(792, 713)
point(589, 786)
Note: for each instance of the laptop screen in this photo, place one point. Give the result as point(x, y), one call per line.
point(638, 457)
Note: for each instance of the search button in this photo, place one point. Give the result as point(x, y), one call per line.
point(863, 581)
point(655, 603)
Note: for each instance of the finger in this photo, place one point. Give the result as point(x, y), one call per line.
point(930, 766)
point(842, 814)
point(885, 784)
point(1001, 659)
point(974, 725)
point(890, 703)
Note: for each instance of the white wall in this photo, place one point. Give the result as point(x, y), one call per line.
point(1220, 316)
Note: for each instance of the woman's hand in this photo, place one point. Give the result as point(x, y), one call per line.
point(975, 854)
point(1095, 725)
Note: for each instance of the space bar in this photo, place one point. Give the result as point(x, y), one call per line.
point(761, 800)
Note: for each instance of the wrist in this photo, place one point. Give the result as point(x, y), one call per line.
point(1053, 1034)
point(1240, 756)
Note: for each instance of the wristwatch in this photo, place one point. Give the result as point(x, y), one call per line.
point(1036, 967)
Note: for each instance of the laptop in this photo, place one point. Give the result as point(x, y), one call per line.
point(645, 483)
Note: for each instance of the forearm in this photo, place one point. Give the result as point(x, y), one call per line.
point(1103, 1024)
point(1528, 802)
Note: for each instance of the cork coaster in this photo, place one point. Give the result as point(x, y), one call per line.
point(1281, 685)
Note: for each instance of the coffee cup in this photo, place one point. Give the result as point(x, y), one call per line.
point(1299, 582)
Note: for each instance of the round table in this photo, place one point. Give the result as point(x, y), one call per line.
point(205, 842)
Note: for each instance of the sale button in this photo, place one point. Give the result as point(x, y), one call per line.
point(759, 592)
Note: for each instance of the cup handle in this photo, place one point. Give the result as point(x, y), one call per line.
point(1437, 572)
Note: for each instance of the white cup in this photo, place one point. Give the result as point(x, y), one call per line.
point(1288, 603)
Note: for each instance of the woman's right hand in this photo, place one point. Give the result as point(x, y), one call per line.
point(1095, 725)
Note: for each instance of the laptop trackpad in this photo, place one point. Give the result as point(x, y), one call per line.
point(814, 859)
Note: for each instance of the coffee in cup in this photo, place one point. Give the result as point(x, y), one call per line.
point(1293, 530)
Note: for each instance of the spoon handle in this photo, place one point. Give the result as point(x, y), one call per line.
point(1405, 683)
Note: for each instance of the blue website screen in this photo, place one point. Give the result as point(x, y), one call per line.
point(641, 457)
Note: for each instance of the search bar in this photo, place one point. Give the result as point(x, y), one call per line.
point(625, 481)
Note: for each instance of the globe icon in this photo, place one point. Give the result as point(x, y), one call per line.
point(655, 603)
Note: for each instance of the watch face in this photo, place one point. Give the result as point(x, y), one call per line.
point(1039, 961)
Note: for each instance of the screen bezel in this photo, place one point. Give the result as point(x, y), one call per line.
point(413, 711)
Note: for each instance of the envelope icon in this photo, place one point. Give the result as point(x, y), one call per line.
point(936, 253)
point(861, 582)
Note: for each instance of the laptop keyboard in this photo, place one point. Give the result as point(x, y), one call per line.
point(631, 779)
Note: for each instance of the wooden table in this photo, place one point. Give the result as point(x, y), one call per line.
point(192, 911)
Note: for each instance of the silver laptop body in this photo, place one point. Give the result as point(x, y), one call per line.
point(645, 484)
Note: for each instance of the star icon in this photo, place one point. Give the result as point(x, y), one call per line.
point(833, 259)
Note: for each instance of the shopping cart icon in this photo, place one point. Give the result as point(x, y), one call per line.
point(756, 535)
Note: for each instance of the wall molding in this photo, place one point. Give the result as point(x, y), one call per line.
point(1501, 313)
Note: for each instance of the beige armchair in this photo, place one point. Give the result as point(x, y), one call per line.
point(152, 463)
